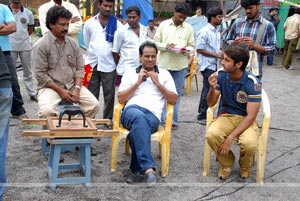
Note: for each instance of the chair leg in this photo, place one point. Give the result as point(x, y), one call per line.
point(127, 147)
point(196, 79)
point(261, 160)
point(159, 150)
point(189, 85)
point(206, 159)
point(165, 159)
point(115, 140)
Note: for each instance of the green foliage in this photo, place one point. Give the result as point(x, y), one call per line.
point(164, 14)
point(32, 10)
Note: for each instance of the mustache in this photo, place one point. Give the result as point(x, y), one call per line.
point(64, 31)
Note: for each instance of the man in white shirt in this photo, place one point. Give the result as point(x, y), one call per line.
point(151, 29)
point(75, 22)
point(127, 41)
point(21, 44)
point(100, 29)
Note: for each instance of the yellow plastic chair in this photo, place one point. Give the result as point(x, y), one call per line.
point(163, 136)
point(262, 140)
point(193, 73)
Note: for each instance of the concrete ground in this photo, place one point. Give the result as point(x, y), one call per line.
point(27, 172)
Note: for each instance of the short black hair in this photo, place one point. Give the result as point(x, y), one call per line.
point(297, 11)
point(56, 12)
point(247, 3)
point(101, 1)
point(147, 44)
point(133, 9)
point(271, 9)
point(182, 8)
point(237, 53)
point(151, 20)
point(213, 12)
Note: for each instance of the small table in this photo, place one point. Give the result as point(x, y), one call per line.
point(70, 134)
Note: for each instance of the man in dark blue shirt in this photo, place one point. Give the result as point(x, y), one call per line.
point(239, 104)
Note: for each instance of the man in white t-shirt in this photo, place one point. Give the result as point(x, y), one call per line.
point(144, 89)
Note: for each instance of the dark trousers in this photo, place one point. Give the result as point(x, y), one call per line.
point(107, 80)
point(203, 103)
point(17, 104)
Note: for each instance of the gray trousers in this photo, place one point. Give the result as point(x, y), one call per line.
point(25, 57)
point(107, 80)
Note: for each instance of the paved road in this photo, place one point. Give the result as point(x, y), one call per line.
point(28, 180)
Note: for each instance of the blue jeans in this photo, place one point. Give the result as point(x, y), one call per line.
point(17, 105)
point(178, 77)
point(6, 97)
point(141, 123)
point(270, 60)
point(203, 103)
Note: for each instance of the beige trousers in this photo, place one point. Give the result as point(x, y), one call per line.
point(222, 127)
point(48, 100)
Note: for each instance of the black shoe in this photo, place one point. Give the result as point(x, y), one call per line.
point(135, 178)
point(150, 178)
point(33, 98)
point(93, 152)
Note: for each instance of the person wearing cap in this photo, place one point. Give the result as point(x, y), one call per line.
point(275, 19)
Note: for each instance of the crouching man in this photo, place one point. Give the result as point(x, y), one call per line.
point(58, 64)
point(238, 107)
point(144, 89)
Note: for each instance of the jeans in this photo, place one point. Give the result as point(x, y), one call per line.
point(270, 60)
point(6, 97)
point(17, 104)
point(141, 123)
point(178, 77)
point(203, 103)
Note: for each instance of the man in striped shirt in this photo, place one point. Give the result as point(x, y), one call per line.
point(245, 31)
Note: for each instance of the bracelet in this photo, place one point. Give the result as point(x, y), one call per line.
point(78, 87)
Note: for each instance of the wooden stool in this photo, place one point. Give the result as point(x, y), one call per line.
point(84, 165)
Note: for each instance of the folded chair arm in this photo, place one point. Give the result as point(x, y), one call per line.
point(169, 118)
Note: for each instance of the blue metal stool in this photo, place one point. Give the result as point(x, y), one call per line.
point(84, 164)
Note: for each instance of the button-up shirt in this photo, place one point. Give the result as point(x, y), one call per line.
point(292, 27)
point(208, 38)
point(243, 27)
point(100, 55)
point(127, 43)
point(182, 36)
point(57, 63)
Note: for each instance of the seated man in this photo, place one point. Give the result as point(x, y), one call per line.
point(58, 64)
point(239, 104)
point(144, 89)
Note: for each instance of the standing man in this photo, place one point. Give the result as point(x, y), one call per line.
point(275, 19)
point(100, 29)
point(208, 45)
point(245, 30)
point(6, 96)
point(75, 22)
point(127, 41)
point(8, 26)
point(151, 29)
point(175, 40)
point(199, 13)
point(239, 104)
point(21, 44)
point(292, 35)
point(145, 101)
point(58, 65)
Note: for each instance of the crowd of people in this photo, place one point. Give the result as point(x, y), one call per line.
point(150, 63)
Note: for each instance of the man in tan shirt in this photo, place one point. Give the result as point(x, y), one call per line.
point(58, 65)
point(292, 35)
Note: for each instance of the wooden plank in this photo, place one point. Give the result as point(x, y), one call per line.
point(42, 122)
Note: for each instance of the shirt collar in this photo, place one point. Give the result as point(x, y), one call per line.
point(172, 23)
point(53, 38)
point(243, 78)
point(21, 9)
point(211, 27)
point(259, 19)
